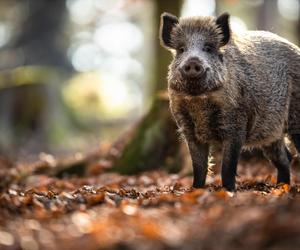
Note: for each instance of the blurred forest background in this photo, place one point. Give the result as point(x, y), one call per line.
point(78, 73)
point(82, 92)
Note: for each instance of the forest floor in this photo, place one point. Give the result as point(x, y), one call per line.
point(152, 210)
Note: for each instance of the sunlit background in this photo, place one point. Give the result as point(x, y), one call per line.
point(85, 72)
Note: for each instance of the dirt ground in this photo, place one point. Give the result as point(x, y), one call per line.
point(153, 210)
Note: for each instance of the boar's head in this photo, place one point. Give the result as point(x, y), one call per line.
point(198, 45)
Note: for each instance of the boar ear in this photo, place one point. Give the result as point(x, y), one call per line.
point(223, 23)
point(167, 23)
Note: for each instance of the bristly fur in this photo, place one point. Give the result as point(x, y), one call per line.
point(189, 26)
point(249, 96)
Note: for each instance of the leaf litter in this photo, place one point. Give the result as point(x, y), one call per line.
point(152, 210)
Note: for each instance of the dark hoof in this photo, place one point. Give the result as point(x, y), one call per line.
point(283, 178)
point(229, 187)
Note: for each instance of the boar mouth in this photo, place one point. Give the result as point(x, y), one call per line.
point(194, 86)
point(200, 90)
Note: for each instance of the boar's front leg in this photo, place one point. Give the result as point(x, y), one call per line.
point(198, 151)
point(231, 152)
point(199, 155)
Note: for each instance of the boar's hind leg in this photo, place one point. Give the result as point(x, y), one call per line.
point(296, 140)
point(294, 116)
point(279, 156)
point(289, 155)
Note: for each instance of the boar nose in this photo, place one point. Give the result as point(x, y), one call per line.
point(192, 69)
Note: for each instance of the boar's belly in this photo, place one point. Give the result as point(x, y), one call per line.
point(265, 133)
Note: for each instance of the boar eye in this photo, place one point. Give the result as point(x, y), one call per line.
point(181, 50)
point(208, 48)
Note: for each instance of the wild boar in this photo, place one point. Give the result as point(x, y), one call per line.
point(238, 90)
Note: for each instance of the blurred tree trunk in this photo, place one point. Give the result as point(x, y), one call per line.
point(162, 56)
point(268, 16)
point(30, 97)
point(155, 142)
point(39, 39)
point(298, 26)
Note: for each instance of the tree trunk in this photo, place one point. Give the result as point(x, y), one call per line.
point(39, 40)
point(30, 99)
point(298, 26)
point(162, 56)
point(267, 16)
point(155, 141)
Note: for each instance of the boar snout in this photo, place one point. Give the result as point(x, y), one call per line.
point(193, 69)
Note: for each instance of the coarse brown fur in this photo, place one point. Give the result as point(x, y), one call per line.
point(247, 95)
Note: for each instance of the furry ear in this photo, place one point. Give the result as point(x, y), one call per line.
point(167, 23)
point(223, 23)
